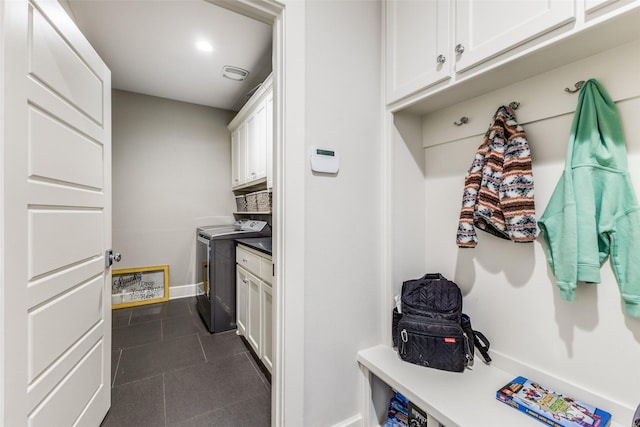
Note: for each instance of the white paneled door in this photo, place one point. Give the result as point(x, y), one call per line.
point(55, 140)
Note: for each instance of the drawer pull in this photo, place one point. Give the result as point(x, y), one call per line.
point(459, 49)
point(441, 59)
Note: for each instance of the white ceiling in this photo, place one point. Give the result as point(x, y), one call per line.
point(149, 45)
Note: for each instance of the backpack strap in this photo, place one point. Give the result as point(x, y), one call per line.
point(482, 344)
point(476, 338)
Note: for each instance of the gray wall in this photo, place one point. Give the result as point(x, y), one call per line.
point(171, 173)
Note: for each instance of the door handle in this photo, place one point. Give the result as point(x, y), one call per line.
point(110, 257)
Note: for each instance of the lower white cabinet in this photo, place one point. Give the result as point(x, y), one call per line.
point(254, 275)
point(266, 309)
point(253, 313)
point(242, 287)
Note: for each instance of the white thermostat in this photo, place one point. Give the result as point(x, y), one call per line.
point(324, 160)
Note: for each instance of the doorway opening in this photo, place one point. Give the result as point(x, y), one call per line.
point(272, 13)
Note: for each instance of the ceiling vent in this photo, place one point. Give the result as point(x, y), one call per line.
point(234, 73)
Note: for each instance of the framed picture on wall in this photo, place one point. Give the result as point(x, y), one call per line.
point(137, 286)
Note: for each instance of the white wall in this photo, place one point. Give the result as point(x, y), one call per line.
point(508, 288)
point(342, 213)
point(171, 174)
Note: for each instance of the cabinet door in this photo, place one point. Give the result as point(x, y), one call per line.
point(596, 6)
point(253, 313)
point(269, 138)
point(267, 327)
point(417, 39)
point(235, 172)
point(242, 286)
point(239, 156)
point(486, 28)
point(257, 144)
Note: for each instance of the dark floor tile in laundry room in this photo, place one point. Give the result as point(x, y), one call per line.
point(222, 345)
point(198, 390)
point(251, 412)
point(167, 310)
point(185, 325)
point(138, 404)
point(132, 335)
point(168, 370)
point(147, 360)
point(121, 317)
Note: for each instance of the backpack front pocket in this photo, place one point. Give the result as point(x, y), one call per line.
point(435, 343)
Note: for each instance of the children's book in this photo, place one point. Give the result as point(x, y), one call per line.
point(550, 407)
point(398, 414)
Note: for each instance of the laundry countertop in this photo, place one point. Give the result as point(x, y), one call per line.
point(262, 244)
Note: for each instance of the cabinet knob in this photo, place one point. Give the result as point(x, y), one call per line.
point(459, 49)
point(441, 59)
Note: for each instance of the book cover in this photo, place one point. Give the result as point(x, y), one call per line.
point(551, 407)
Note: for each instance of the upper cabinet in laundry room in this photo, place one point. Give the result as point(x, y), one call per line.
point(252, 140)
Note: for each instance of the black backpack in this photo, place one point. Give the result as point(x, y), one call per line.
point(432, 330)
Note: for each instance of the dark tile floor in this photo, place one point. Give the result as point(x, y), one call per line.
point(167, 370)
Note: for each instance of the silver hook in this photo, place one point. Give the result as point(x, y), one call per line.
point(514, 105)
point(577, 86)
point(463, 121)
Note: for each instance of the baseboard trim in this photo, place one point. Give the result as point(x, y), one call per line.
point(355, 421)
point(183, 291)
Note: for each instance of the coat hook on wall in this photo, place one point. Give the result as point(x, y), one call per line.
point(577, 86)
point(514, 105)
point(463, 121)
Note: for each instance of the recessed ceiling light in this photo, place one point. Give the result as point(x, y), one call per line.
point(234, 73)
point(204, 46)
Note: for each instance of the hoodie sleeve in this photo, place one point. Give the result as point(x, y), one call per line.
point(625, 247)
point(558, 227)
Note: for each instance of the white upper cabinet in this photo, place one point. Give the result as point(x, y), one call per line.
point(417, 45)
point(486, 28)
point(440, 52)
point(239, 156)
point(252, 138)
point(257, 144)
point(594, 8)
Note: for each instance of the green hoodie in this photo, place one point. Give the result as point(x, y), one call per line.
point(593, 212)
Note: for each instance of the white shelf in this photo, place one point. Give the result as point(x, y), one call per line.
point(253, 213)
point(465, 399)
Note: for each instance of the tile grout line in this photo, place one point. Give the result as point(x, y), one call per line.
point(113, 383)
point(164, 399)
point(202, 348)
point(257, 370)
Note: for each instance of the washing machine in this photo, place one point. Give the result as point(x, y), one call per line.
point(216, 270)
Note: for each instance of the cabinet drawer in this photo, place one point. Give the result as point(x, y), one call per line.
point(248, 260)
